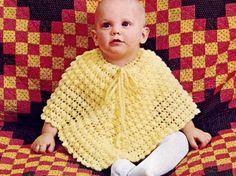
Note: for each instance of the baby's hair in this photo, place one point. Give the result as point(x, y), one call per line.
point(141, 7)
point(141, 1)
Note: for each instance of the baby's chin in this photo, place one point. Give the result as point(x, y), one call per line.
point(118, 52)
point(114, 50)
point(118, 49)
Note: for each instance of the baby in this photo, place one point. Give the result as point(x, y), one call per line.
point(120, 104)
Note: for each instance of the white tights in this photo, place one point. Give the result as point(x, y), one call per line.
point(162, 160)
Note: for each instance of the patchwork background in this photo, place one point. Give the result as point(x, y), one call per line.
point(39, 39)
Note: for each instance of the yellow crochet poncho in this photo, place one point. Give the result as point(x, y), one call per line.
point(104, 112)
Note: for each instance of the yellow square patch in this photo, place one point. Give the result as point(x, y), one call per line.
point(9, 82)
point(9, 36)
point(174, 40)
point(174, 14)
point(9, 12)
point(21, 48)
point(69, 28)
point(162, 5)
point(33, 38)
point(17, 171)
point(4, 140)
point(31, 164)
point(57, 63)
point(10, 106)
point(232, 21)
point(198, 167)
point(198, 86)
point(22, 95)
point(21, 71)
point(45, 50)
point(162, 29)
point(210, 71)
point(81, 17)
point(1, 94)
point(151, 18)
point(231, 66)
point(33, 84)
point(198, 37)
point(186, 50)
point(220, 79)
point(186, 75)
point(186, 26)
point(223, 35)
point(82, 41)
point(1, 24)
point(21, 25)
point(70, 52)
point(58, 39)
point(211, 48)
point(91, 6)
point(21, 161)
point(45, 74)
point(33, 61)
point(199, 62)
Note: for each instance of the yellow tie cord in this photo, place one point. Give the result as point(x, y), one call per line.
point(123, 81)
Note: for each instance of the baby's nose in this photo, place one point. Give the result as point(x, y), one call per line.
point(115, 30)
point(115, 33)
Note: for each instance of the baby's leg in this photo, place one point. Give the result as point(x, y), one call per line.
point(164, 158)
point(121, 167)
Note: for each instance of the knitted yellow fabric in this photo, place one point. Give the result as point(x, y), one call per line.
point(104, 112)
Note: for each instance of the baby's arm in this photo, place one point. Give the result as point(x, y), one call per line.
point(46, 141)
point(196, 137)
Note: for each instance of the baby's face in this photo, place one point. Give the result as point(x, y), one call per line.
point(119, 28)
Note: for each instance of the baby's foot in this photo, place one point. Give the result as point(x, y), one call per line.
point(121, 167)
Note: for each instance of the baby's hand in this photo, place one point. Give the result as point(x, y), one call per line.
point(45, 142)
point(197, 138)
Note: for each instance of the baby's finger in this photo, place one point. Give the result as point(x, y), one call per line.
point(205, 141)
point(35, 148)
point(193, 143)
point(32, 147)
point(203, 144)
point(209, 136)
point(42, 148)
point(51, 147)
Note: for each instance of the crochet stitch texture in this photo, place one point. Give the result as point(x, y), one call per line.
point(105, 112)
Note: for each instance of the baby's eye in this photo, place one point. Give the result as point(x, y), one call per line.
point(126, 23)
point(106, 25)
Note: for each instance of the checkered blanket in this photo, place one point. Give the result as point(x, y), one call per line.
point(39, 39)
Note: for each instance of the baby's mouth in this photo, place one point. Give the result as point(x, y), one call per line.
point(116, 41)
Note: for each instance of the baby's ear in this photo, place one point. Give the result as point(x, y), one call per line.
point(145, 34)
point(94, 36)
